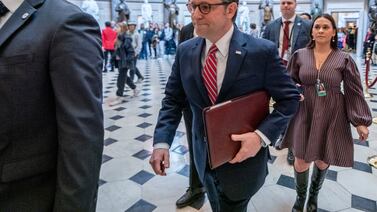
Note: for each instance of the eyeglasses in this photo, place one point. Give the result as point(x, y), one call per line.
point(204, 8)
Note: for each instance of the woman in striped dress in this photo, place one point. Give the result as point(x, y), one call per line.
point(320, 131)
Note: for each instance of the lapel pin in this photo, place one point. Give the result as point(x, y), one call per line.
point(238, 52)
point(25, 15)
point(298, 24)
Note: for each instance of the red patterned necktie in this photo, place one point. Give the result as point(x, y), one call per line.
point(210, 74)
point(286, 39)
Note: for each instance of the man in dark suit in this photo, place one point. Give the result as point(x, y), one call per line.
point(299, 29)
point(297, 36)
point(242, 65)
point(195, 192)
point(51, 129)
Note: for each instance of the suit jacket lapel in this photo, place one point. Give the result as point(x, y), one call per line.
point(296, 32)
point(18, 19)
point(236, 55)
point(196, 65)
point(277, 28)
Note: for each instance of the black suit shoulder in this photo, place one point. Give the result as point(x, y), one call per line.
point(306, 23)
point(59, 11)
point(187, 32)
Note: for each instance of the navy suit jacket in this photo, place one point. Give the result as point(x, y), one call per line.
point(51, 118)
point(253, 64)
point(300, 37)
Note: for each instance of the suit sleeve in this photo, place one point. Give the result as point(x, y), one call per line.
point(181, 35)
point(283, 91)
point(75, 72)
point(172, 105)
point(266, 33)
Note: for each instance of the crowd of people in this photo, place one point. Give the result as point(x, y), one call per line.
point(156, 40)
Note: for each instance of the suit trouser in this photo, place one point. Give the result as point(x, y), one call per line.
point(218, 199)
point(33, 194)
point(123, 78)
point(134, 70)
point(194, 177)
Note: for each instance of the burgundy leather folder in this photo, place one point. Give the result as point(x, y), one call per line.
point(236, 116)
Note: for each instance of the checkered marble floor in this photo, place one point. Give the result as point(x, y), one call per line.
point(127, 182)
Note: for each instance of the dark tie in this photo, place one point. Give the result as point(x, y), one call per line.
point(285, 39)
point(210, 74)
point(3, 9)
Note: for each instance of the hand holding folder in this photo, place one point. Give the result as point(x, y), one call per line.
point(237, 116)
point(250, 146)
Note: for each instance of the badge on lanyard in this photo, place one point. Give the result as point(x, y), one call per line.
point(320, 88)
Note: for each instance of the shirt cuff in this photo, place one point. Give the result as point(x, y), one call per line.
point(263, 137)
point(161, 146)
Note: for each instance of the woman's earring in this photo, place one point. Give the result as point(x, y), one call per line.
point(333, 38)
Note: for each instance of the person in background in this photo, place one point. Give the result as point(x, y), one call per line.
point(368, 41)
point(253, 30)
point(341, 38)
point(51, 128)
point(109, 37)
point(320, 132)
point(148, 36)
point(374, 53)
point(306, 16)
point(136, 44)
point(289, 33)
point(124, 54)
point(144, 42)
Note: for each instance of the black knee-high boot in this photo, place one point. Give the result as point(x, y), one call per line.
point(301, 179)
point(318, 177)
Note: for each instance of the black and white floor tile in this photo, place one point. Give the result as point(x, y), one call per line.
point(128, 184)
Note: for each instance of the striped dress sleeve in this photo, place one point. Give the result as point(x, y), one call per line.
point(358, 111)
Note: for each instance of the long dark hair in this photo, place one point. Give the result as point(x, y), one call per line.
point(334, 40)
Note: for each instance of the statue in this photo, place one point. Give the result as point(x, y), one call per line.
point(123, 11)
point(146, 12)
point(243, 17)
point(173, 11)
point(90, 7)
point(316, 11)
point(372, 14)
point(267, 12)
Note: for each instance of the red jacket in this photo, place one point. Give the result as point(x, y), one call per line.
point(108, 38)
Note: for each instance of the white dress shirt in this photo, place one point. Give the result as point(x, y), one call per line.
point(222, 58)
point(281, 36)
point(12, 6)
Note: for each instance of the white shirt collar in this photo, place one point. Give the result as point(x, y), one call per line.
point(12, 5)
point(222, 44)
point(292, 20)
